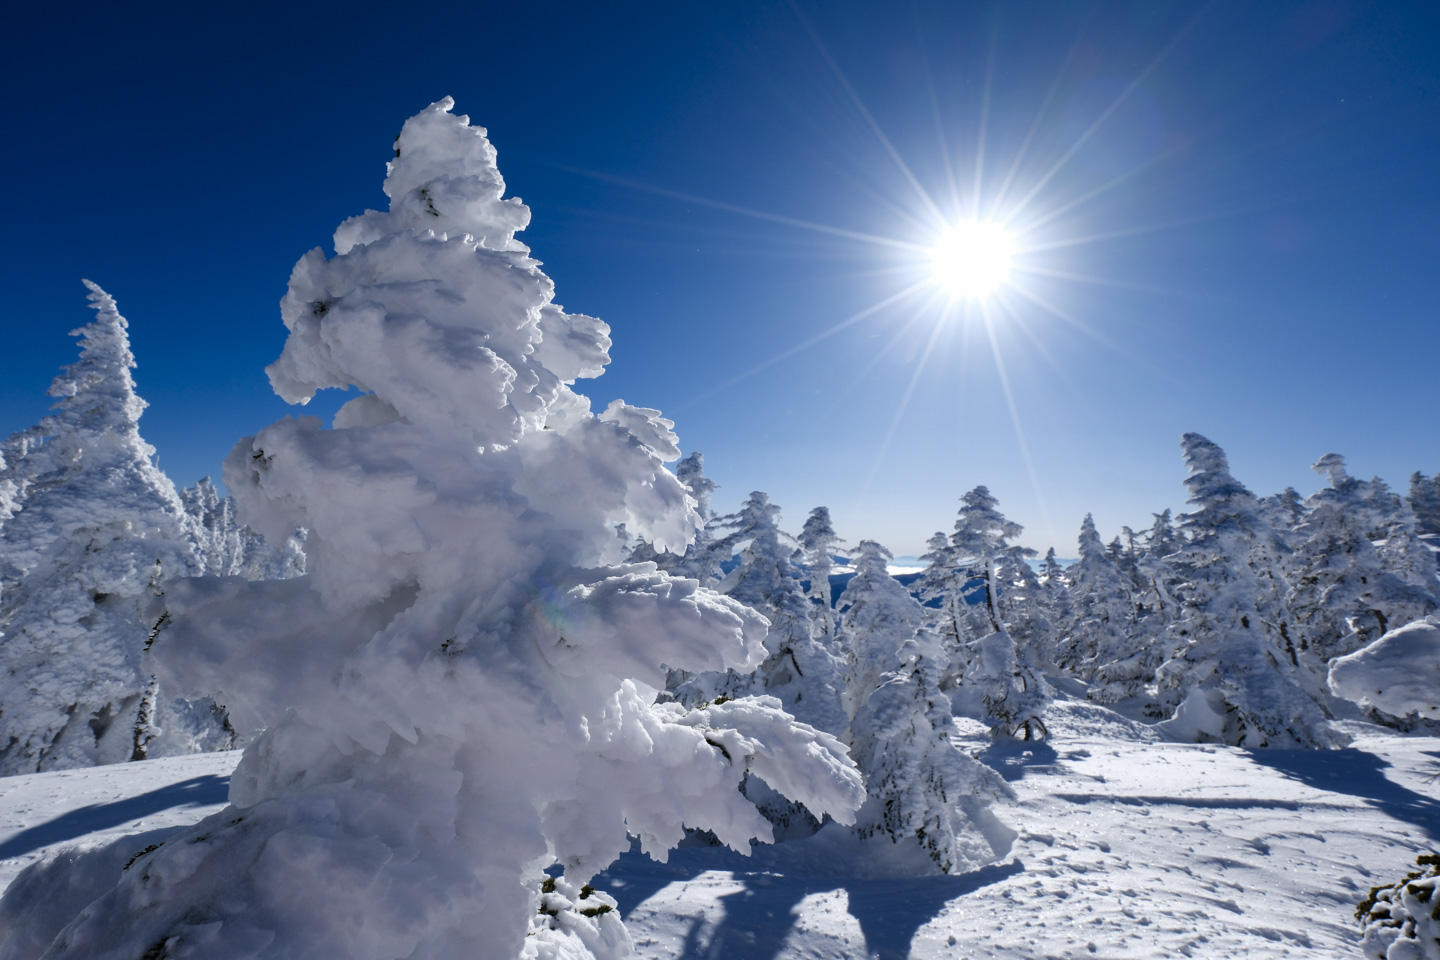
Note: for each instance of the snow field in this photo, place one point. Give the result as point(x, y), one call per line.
point(1127, 848)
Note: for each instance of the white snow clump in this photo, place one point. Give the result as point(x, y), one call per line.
point(1398, 674)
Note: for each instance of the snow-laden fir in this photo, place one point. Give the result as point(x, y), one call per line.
point(461, 689)
point(90, 529)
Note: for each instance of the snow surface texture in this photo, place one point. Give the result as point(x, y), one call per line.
point(460, 691)
point(1132, 849)
point(95, 528)
point(1398, 674)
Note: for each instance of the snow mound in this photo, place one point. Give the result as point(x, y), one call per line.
point(1398, 674)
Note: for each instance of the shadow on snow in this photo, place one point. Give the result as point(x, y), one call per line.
point(759, 917)
point(1358, 774)
point(195, 792)
point(1013, 759)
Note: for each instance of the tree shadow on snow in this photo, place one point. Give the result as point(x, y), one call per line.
point(195, 792)
point(759, 917)
point(1358, 774)
point(1013, 759)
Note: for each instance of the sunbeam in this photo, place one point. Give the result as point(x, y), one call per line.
point(902, 406)
point(806, 344)
point(1020, 440)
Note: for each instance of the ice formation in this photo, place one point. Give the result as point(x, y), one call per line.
point(460, 690)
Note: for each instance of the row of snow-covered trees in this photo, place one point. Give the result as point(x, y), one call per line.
point(1222, 625)
point(90, 529)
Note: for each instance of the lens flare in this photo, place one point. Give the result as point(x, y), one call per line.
point(972, 258)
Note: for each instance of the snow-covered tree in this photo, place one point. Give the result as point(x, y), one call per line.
point(1052, 571)
point(1342, 596)
point(1396, 677)
point(923, 791)
point(877, 615)
point(1401, 921)
point(941, 586)
point(462, 688)
point(818, 539)
point(798, 669)
point(1424, 501)
point(982, 582)
point(225, 547)
point(1233, 674)
point(701, 560)
point(1283, 511)
point(98, 527)
point(1100, 609)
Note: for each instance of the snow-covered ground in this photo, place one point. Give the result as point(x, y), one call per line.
point(43, 813)
point(1128, 848)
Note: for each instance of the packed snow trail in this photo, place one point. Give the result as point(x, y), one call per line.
point(1129, 848)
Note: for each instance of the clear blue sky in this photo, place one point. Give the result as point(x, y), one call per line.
point(1234, 207)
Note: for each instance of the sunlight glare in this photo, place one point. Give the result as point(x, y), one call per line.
point(972, 258)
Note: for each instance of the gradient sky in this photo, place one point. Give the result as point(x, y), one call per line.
point(1229, 217)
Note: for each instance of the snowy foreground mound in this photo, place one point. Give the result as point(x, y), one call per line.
point(1134, 849)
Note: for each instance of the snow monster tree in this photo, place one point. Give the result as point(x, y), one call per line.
point(460, 692)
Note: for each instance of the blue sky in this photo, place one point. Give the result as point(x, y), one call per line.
point(1230, 227)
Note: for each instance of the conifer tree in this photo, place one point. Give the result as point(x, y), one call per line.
point(1100, 608)
point(461, 689)
point(922, 790)
point(1343, 597)
point(877, 615)
point(818, 539)
point(1425, 502)
point(225, 547)
point(1012, 688)
point(797, 669)
point(1234, 667)
point(701, 560)
point(98, 529)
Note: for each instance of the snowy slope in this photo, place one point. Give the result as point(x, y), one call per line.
point(43, 813)
point(1128, 848)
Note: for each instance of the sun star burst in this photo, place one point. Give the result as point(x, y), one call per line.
point(972, 258)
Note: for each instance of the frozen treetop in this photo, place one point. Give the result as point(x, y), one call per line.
point(461, 335)
point(1214, 491)
point(97, 389)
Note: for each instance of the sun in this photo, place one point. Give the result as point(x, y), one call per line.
point(971, 260)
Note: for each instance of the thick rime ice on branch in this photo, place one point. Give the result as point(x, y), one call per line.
point(459, 691)
point(93, 527)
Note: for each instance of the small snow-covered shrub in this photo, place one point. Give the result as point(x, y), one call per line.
point(1402, 922)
